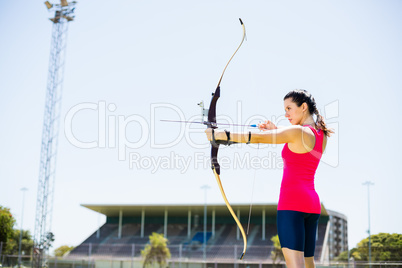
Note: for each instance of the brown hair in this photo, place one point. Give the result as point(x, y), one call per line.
point(300, 96)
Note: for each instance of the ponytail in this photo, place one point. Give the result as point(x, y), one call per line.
point(321, 124)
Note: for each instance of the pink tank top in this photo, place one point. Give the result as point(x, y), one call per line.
point(297, 187)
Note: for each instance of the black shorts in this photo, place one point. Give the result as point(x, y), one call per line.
point(297, 230)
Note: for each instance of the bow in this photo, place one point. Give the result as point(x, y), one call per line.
point(211, 123)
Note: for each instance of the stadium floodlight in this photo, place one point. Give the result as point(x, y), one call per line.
point(64, 3)
point(368, 183)
point(22, 217)
point(48, 5)
point(204, 247)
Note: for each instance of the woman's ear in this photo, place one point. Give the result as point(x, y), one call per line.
point(305, 107)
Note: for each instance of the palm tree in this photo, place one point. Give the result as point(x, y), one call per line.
point(156, 251)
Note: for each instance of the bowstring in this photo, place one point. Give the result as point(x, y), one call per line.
point(252, 193)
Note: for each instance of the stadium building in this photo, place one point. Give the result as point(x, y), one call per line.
point(128, 227)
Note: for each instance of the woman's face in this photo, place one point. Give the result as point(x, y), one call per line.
point(294, 113)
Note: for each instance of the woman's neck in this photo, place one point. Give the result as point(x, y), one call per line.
point(308, 121)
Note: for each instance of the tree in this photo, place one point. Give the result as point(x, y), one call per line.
point(277, 252)
point(384, 247)
point(344, 255)
point(62, 250)
point(156, 251)
point(12, 247)
point(48, 241)
point(7, 222)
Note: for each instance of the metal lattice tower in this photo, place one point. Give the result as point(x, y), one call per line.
point(63, 13)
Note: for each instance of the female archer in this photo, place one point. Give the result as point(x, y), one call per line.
point(299, 206)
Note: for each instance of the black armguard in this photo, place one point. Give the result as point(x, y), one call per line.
point(229, 142)
point(249, 137)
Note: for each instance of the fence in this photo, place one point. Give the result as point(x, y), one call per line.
point(182, 256)
point(194, 252)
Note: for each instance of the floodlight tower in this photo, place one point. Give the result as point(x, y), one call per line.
point(63, 13)
point(368, 183)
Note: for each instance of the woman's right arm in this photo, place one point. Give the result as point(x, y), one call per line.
point(275, 136)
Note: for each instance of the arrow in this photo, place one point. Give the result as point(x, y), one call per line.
point(206, 123)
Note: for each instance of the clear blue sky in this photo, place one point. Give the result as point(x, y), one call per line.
point(136, 54)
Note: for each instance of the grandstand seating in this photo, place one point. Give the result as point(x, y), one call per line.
point(224, 245)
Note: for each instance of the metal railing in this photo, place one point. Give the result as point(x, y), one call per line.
point(191, 255)
point(178, 252)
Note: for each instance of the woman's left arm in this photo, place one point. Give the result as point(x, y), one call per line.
point(275, 136)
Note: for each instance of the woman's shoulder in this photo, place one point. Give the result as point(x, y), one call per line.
point(298, 130)
point(296, 133)
point(303, 140)
point(318, 135)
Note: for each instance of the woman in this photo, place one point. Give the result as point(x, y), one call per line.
point(299, 206)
